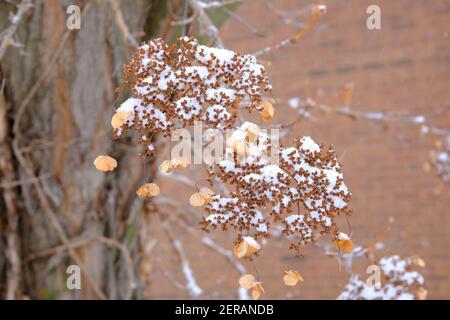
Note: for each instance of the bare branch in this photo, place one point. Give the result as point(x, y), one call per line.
point(120, 21)
point(206, 24)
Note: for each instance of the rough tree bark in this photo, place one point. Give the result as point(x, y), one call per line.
point(56, 100)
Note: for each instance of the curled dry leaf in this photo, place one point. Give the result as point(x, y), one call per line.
point(292, 277)
point(148, 190)
point(343, 243)
point(245, 248)
point(119, 118)
point(267, 111)
point(105, 163)
point(257, 290)
point(247, 281)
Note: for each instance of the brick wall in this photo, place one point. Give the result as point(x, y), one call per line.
point(403, 67)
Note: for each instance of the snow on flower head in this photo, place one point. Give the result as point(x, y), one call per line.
point(171, 86)
point(306, 180)
point(399, 281)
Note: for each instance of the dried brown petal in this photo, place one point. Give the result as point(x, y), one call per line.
point(257, 290)
point(251, 130)
point(180, 162)
point(105, 163)
point(418, 262)
point(240, 147)
point(240, 249)
point(166, 166)
point(247, 281)
point(148, 190)
point(252, 246)
point(119, 119)
point(292, 277)
point(343, 243)
point(245, 248)
point(267, 111)
point(207, 194)
point(196, 200)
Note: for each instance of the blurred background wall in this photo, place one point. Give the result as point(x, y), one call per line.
point(403, 68)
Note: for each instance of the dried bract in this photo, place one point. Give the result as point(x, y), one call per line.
point(343, 243)
point(105, 163)
point(247, 281)
point(148, 190)
point(246, 248)
point(292, 277)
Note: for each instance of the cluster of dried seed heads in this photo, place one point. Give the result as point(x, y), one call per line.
point(303, 193)
point(399, 281)
point(172, 86)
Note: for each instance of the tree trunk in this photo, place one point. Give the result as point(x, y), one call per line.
point(55, 108)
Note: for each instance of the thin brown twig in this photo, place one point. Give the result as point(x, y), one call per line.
point(312, 22)
point(120, 21)
point(206, 24)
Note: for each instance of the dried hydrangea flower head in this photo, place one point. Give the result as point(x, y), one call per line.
point(399, 282)
point(306, 179)
point(171, 87)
